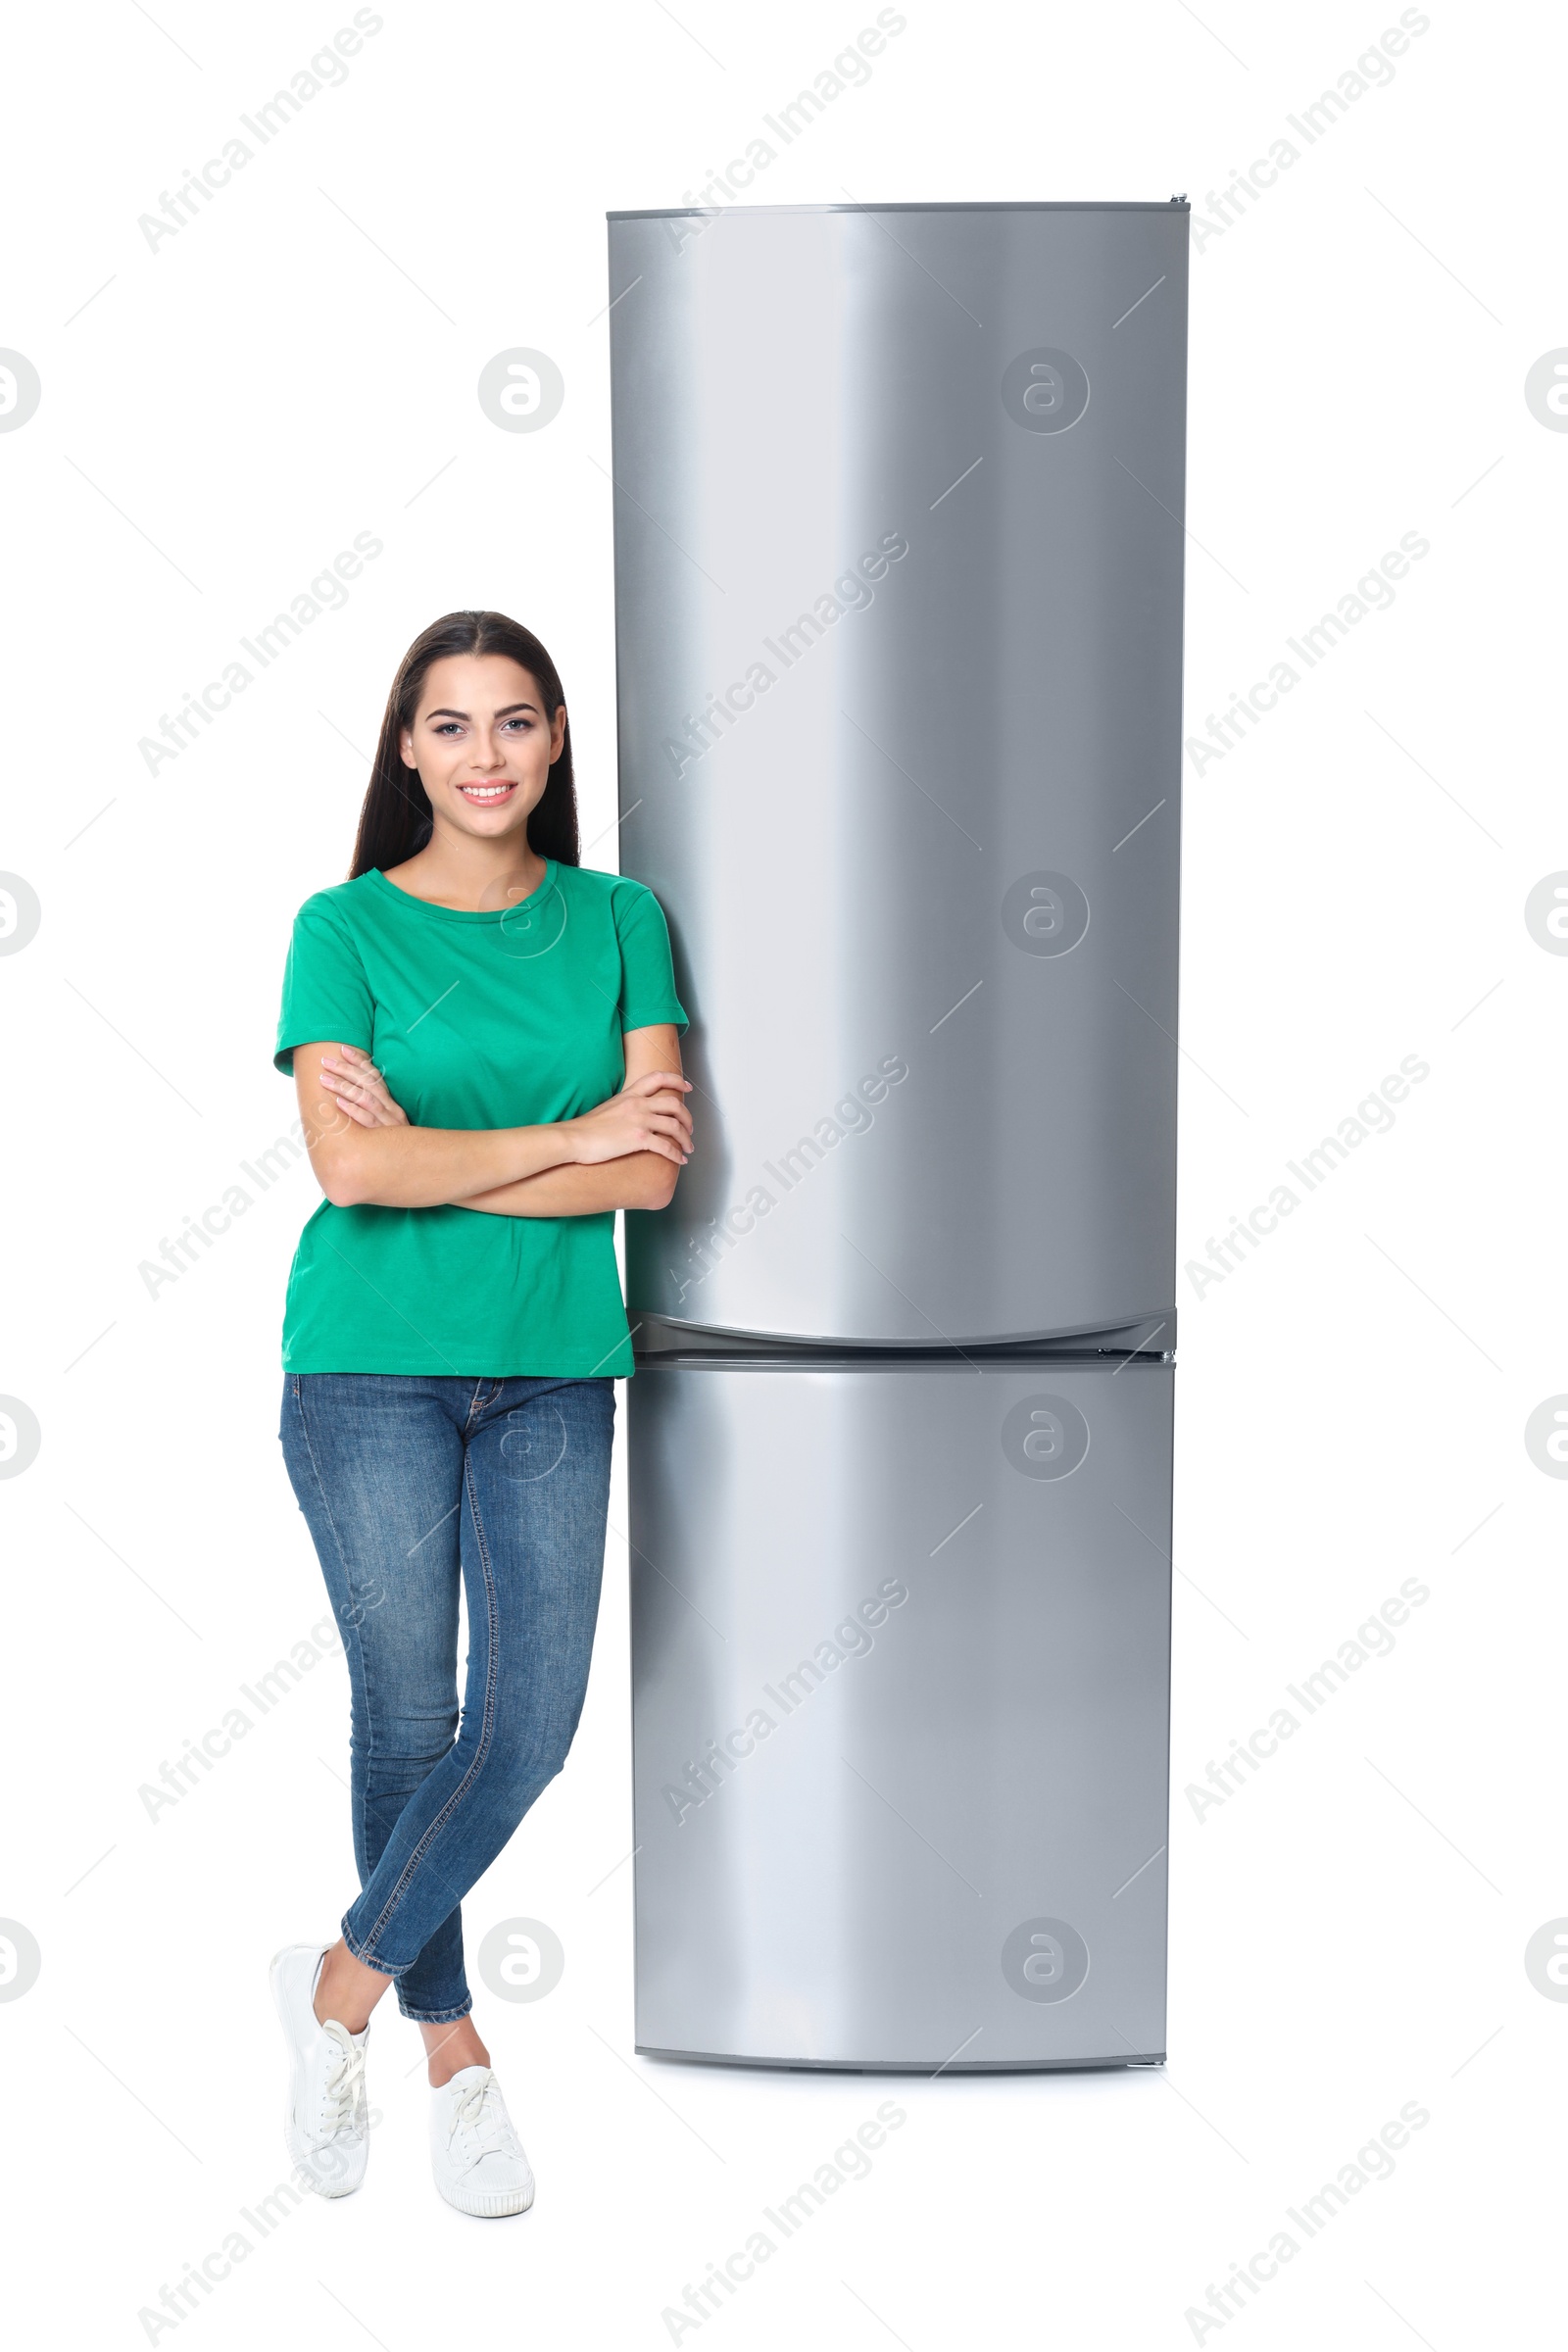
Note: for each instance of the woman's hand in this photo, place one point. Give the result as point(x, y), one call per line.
point(358, 1086)
point(649, 1114)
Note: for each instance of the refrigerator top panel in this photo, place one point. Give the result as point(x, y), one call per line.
point(899, 551)
point(699, 211)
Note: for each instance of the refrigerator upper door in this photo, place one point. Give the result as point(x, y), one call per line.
point(900, 1644)
point(899, 540)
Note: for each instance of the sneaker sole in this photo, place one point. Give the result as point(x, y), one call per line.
point(492, 2208)
point(293, 2137)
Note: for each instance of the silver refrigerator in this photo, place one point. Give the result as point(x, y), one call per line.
point(898, 503)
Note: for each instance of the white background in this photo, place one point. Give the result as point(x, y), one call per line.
point(220, 417)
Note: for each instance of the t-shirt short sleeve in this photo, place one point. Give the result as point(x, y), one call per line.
point(647, 972)
point(327, 993)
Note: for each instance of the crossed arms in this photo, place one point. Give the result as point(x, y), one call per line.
point(624, 1153)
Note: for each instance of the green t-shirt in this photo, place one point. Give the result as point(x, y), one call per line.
point(507, 1019)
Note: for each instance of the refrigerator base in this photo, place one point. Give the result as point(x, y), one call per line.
point(907, 2066)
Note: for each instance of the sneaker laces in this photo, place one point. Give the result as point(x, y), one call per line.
point(479, 2112)
point(343, 2092)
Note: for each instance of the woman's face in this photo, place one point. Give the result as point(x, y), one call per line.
point(482, 745)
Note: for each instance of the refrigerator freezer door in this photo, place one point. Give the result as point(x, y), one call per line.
point(899, 592)
point(901, 1654)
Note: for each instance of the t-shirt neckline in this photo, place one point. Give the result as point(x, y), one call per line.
point(463, 914)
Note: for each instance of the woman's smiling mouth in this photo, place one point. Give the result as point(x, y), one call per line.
point(486, 794)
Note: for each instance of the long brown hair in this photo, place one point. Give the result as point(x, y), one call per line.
point(396, 819)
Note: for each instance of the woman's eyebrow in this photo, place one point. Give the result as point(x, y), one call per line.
point(464, 714)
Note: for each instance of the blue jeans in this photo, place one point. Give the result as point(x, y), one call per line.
point(409, 1485)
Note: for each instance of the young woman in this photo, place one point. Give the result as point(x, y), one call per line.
point(483, 1038)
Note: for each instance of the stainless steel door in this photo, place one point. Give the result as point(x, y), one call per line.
point(900, 1661)
point(899, 588)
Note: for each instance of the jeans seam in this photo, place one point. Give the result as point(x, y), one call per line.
point(357, 1815)
point(367, 1958)
point(436, 2017)
point(486, 1728)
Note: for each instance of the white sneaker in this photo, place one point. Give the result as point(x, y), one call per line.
point(325, 2123)
point(478, 2157)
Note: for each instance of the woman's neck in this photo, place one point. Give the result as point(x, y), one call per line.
point(475, 877)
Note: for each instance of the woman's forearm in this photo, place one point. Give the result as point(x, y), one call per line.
point(366, 1154)
point(422, 1167)
point(639, 1180)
